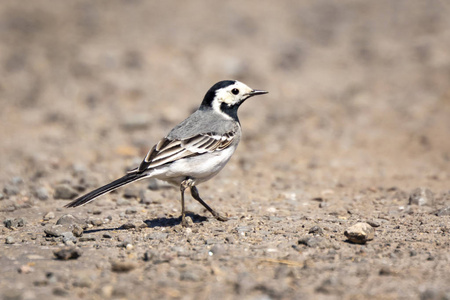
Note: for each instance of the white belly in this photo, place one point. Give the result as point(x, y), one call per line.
point(199, 169)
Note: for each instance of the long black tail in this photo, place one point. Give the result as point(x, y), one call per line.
point(128, 178)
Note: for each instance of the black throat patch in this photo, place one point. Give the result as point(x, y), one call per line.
point(230, 110)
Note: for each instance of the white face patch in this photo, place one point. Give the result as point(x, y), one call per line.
point(231, 95)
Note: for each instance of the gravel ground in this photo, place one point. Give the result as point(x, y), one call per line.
point(338, 190)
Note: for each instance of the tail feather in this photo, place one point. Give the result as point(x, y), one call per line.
point(128, 178)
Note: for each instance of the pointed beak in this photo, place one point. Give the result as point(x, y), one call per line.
point(255, 93)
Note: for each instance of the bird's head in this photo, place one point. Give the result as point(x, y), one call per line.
point(226, 96)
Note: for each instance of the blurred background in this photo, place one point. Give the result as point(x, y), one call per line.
point(359, 91)
point(357, 116)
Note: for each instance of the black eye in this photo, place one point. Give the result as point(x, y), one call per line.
point(235, 91)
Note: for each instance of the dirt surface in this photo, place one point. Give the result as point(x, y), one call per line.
point(356, 120)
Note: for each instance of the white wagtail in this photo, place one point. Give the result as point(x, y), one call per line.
point(195, 150)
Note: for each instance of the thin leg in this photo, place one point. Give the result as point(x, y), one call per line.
point(196, 196)
point(183, 187)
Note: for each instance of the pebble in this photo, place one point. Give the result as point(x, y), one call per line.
point(56, 230)
point(68, 236)
point(314, 241)
point(25, 269)
point(189, 276)
point(14, 223)
point(373, 223)
point(64, 191)
point(68, 219)
point(48, 216)
point(445, 211)
point(61, 292)
point(17, 180)
point(9, 240)
point(360, 233)
point(11, 190)
point(122, 266)
point(128, 226)
point(83, 281)
point(107, 291)
point(217, 250)
point(77, 230)
point(96, 222)
point(157, 236)
point(131, 210)
point(123, 202)
point(145, 196)
point(421, 196)
point(67, 253)
point(315, 230)
point(150, 255)
point(42, 193)
point(131, 193)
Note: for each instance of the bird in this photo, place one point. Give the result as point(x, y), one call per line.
point(195, 150)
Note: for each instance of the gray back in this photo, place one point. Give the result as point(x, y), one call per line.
point(203, 121)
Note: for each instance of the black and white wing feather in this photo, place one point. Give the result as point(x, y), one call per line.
point(167, 151)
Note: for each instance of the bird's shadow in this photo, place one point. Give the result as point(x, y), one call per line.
point(158, 222)
point(170, 222)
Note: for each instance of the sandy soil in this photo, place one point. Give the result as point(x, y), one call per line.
point(357, 118)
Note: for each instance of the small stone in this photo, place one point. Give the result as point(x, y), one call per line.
point(17, 180)
point(129, 247)
point(145, 196)
point(25, 269)
point(217, 250)
point(107, 236)
point(60, 292)
point(131, 210)
point(67, 253)
point(149, 255)
point(9, 240)
point(157, 236)
point(316, 230)
point(373, 223)
point(68, 236)
point(83, 281)
point(131, 193)
point(243, 229)
point(11, 190)
point(14, 223)
point(48, 216)
point(77, 230)
point(56, 230)
point(64, 191)
point(421, 196)
point(360, 233)
point(107, 291)
point(153, 185)
point(445, 211)
point(189, 276)
point(42, 193)
point(314, 241)
point(128, 226)
point(122, 266)
point(96, 222)
point(68, 219)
